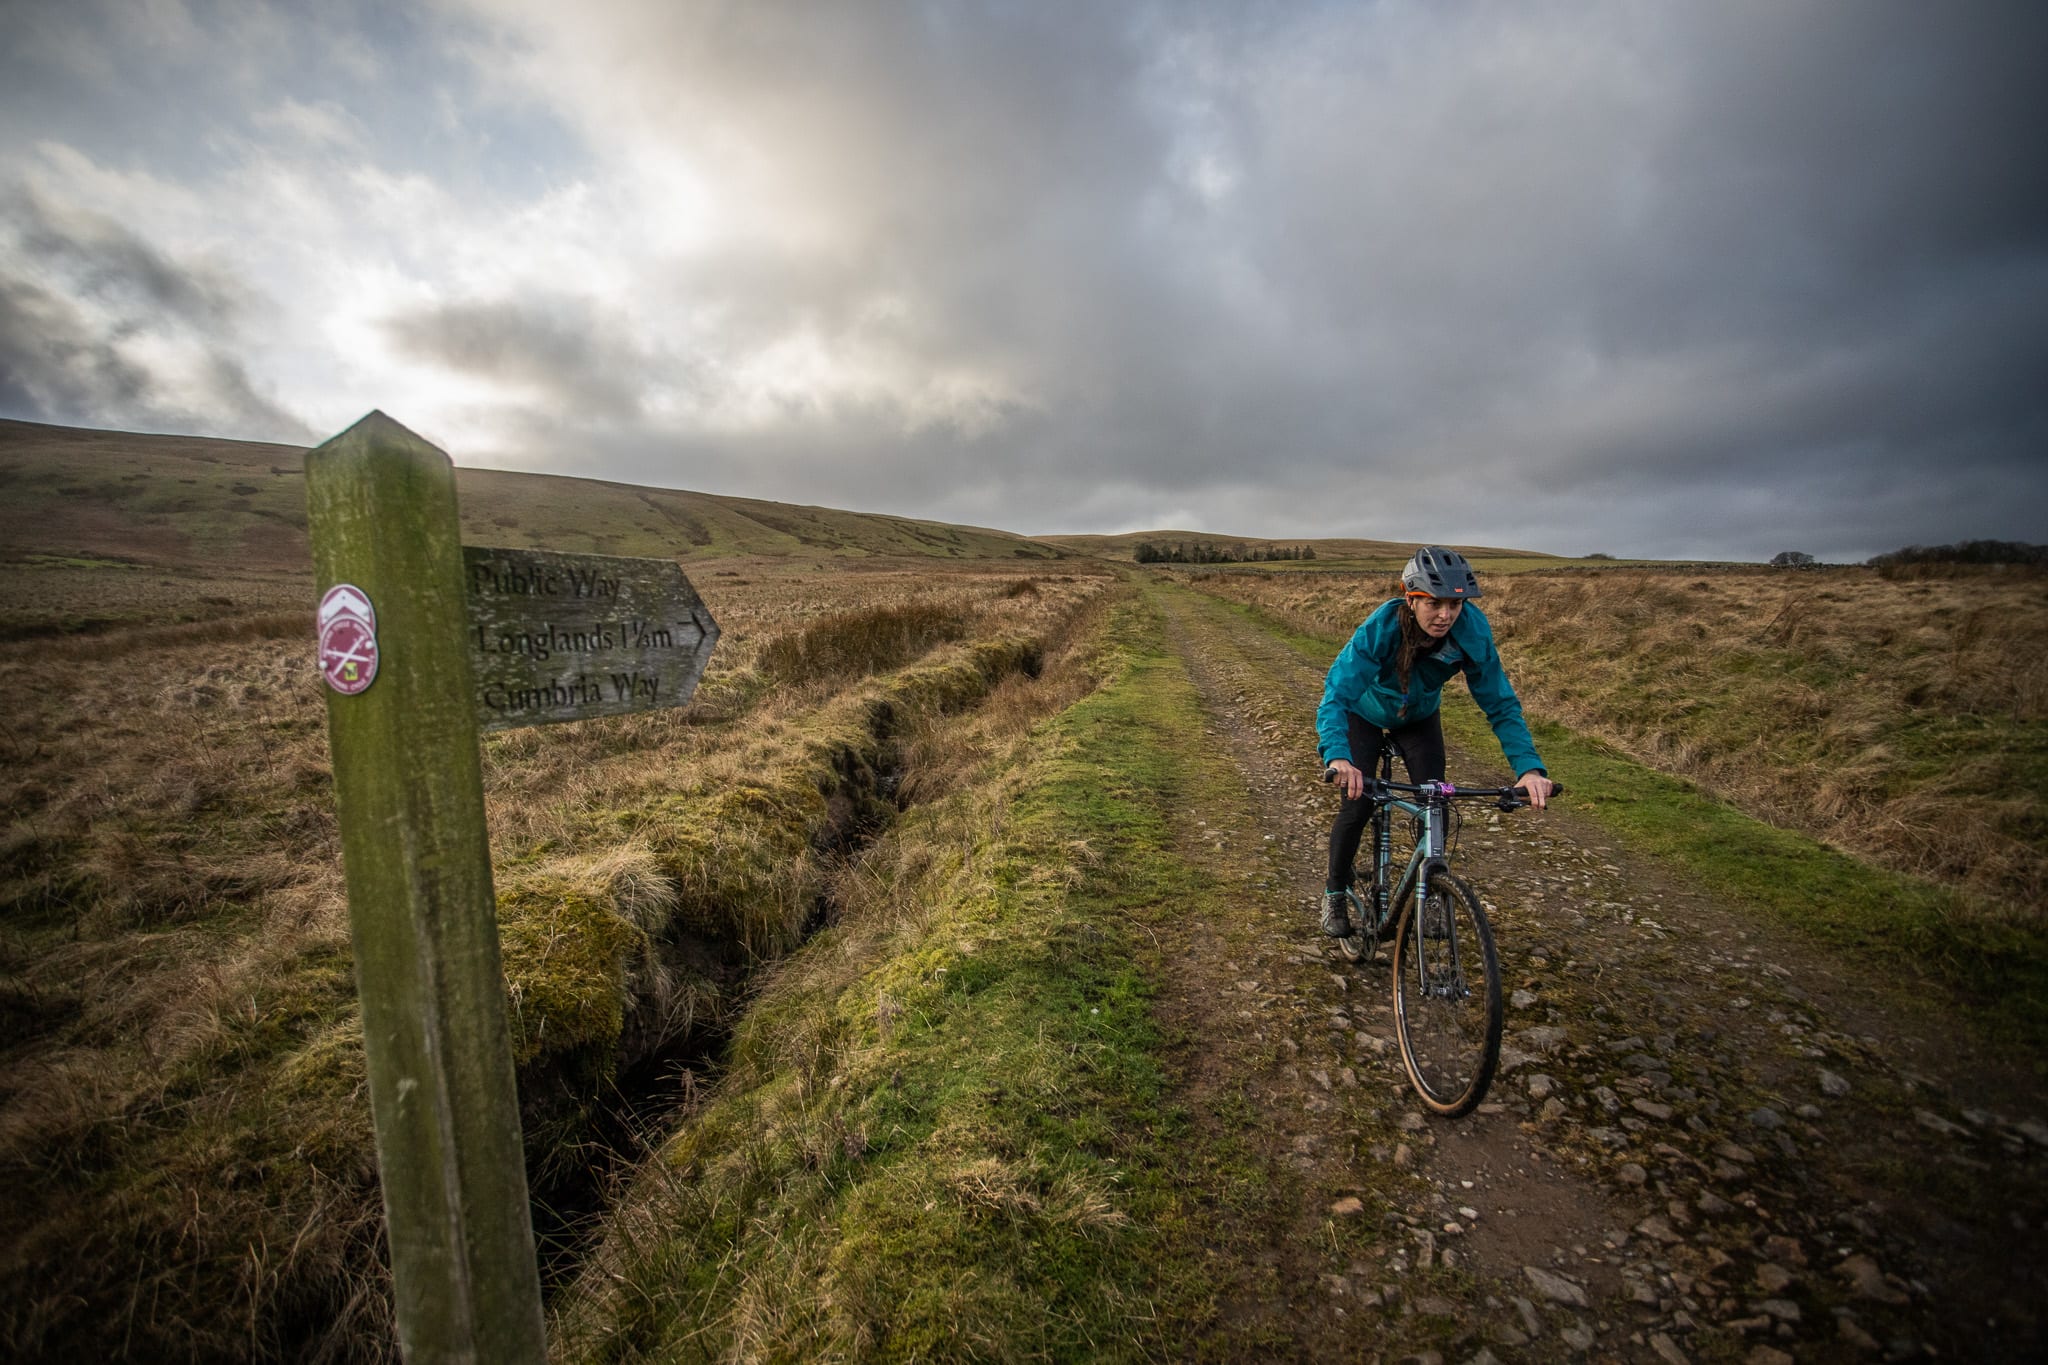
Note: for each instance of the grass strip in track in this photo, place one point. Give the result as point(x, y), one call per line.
point(949, 1126)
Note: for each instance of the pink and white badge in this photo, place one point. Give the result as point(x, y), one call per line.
point(348, 639)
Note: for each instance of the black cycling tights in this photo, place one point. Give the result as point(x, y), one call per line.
point(1421, 746)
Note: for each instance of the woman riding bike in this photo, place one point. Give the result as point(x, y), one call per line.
point(1386, 686)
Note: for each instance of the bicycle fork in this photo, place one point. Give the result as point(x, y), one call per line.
point(1437, 967)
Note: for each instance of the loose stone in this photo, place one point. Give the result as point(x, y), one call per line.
point(1632, 1173)
point(1785, 1250)
point(1772, 1278)
point(1556, 1288)
point(1667, 1349)
point(1657, 1230)
point(1934, 1122)
point(1868, 1281)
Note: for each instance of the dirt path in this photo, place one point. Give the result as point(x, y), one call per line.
point(1706, 1143)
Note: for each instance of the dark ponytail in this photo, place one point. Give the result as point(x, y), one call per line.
point(1415, 641)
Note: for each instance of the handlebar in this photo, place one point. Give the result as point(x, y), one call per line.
point(1508, 797)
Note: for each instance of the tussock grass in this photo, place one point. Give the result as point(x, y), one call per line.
point(854, 644)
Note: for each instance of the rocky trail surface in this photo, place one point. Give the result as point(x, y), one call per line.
point(1708, 1141)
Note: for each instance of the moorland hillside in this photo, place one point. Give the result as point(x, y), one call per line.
point(192, 501)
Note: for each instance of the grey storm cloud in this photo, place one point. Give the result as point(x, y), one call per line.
point(53, 363)
point(1598, 256)
point(1670, 280)
point(556, 349)
point(75, 286)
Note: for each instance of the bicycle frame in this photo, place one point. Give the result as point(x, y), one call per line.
point(1428, 856)
point(1427, 860)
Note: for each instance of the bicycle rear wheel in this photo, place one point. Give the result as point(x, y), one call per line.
point(1447, 997)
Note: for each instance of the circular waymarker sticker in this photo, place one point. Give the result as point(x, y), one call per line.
point(348, 639)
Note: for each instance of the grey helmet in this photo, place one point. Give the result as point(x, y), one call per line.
point(1440, 573)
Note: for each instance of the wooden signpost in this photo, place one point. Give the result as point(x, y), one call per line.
point(424, 643)
point(566, 637)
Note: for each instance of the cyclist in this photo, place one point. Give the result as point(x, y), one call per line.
point(1386, 686)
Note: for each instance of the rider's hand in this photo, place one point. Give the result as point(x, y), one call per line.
point(1350, 780)
point(1537, 785)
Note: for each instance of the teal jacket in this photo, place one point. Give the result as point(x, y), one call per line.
point(1364, 681)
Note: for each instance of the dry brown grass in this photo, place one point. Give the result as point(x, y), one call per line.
point(1904, 719)
point(855, 643)
point(182, 1124)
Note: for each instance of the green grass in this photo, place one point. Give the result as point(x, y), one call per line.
point(950, 1119)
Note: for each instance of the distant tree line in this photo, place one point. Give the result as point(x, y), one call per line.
point(1205, 552)
point(1964, 552)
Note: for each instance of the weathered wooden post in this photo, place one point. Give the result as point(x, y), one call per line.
point(423, 643)
point(401, 715)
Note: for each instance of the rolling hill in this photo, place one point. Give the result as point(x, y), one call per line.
point(199, 502)
point(71, 495)
point(1124, 546)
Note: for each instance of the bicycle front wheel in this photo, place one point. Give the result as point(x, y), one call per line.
point(1447, 997)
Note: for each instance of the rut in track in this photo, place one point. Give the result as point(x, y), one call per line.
point(1707, 1142)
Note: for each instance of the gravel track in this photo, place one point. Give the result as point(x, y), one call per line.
point(1708, 1141)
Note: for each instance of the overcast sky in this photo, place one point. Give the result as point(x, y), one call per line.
point(1663, 279)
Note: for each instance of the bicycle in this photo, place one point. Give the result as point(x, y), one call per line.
point(1447, 1005)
